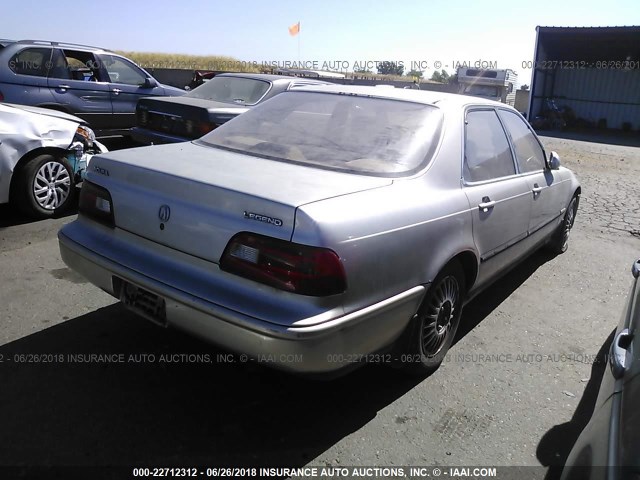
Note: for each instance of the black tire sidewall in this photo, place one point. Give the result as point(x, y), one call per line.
point(418, 362)
point(558, 244)
point(573, 207)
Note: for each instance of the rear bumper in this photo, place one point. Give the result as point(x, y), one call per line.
point(149, 137)
point(324, 347)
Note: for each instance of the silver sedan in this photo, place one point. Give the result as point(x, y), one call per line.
point(327, 227)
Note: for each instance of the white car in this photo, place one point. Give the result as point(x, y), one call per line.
point(43, 156)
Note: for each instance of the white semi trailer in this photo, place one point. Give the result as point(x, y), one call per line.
point(499, 85)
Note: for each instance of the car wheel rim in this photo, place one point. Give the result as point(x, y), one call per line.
point(440, 316)
point(568, 223)
point(51, 185)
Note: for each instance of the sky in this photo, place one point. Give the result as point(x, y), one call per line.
point(333, 34)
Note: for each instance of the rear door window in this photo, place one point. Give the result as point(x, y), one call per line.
point(83, 66)
point(487, 154)
point(31, 61)
point(529, 153)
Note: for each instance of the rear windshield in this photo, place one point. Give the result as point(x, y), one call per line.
point(340, 132)
point(235, 90)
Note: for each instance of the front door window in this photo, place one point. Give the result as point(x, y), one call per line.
point(122, 71)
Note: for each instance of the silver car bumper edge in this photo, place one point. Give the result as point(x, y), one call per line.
point(322, 348)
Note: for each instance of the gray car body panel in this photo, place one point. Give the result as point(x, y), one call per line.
point(253, 185)
point(333, 342)
point(393, 235)
point(611, 438)
point(210, 105)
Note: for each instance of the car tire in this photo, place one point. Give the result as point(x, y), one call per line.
point(44, 187)
point(559, 242)
point(433, 328)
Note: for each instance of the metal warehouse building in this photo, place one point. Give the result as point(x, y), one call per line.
point(593, 70)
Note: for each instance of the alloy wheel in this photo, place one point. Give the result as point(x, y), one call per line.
point(568, 223)
point(440, 314)
point(51, 185)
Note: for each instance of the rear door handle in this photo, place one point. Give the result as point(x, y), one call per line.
point(618, 357)
point(64, 87)
point(536, 189)
point(116, 91)
point(486, 204)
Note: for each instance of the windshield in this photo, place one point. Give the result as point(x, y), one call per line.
point(341, 132)
point(482, 91)
point(234, 90)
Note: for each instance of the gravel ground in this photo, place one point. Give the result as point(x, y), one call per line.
point(609, 175)
point(515, 389)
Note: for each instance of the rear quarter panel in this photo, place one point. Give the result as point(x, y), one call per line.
point(390, 239)
point(394, 238)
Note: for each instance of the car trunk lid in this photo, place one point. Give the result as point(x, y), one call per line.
point(184, 116)
point(194, 198)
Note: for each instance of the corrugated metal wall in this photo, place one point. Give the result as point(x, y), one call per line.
point(537, 81)
point(595, 94)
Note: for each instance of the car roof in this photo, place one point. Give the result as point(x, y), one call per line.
point(49, 43)
point(275, 78)
point(428, 97)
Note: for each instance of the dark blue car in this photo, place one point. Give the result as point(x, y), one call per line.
point(97, 85)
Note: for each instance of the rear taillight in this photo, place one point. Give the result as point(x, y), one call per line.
point(285, 265)
point(95, 203)
point(1, 97)
point(206, 127)
point(143, 116)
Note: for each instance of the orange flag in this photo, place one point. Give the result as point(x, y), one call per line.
point(294, 29)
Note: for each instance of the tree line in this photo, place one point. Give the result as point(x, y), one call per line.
point(395, 68)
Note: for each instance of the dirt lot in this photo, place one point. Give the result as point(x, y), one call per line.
point(609, 174)
point(516, 388)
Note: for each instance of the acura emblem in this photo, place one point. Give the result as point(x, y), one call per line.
point(164, 213)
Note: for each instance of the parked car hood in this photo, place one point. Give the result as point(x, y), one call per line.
point(47, 111)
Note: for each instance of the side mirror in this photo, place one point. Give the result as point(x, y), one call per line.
point(554, 161)
point(149, 83)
